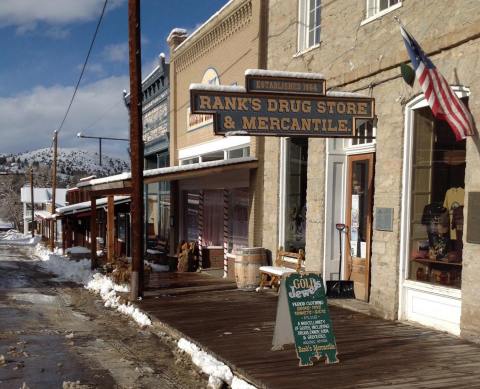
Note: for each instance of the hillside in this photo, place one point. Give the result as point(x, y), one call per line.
point(71, 163)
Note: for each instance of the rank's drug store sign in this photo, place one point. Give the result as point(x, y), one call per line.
point(292, 104)
point(303, 319)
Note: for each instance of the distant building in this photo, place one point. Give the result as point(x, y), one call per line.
point(43, 207)
point(155, 107)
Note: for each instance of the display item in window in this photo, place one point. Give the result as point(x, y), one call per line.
point(454, 198)
point(435, 218)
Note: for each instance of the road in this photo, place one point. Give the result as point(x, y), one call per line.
point(55, 335)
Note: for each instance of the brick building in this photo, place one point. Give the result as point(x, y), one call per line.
point(384, 189)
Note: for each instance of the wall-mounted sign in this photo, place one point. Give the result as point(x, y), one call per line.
point(383, 219)
point(473, 219)
point(281, 106)
point(303, 319)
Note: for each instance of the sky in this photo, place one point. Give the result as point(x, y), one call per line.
point(43, 44)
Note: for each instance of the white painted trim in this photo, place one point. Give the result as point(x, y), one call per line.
point(215, 145)
point(331, 154)
point(380, 14)
point(361, 149)
point(404, 283)
point(282, 192)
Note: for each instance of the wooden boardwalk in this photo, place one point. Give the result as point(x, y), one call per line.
point(237, 327)
point(161, 284)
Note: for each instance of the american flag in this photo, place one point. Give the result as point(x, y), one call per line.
point(441, 98)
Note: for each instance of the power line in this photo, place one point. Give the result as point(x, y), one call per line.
point(84, 65)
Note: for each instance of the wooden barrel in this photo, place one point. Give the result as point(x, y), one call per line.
point(247, 262)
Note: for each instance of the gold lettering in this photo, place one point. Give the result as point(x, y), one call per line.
point(321, 107)
point(341, 107)
point(272, 105)
point(275, 123)
point(285, 124)
point(282, 105)
point(351, 108)
point(242, 104)
point(316, 124)
point(331, 105)
point(248, 123)
point(295, 125)
point(306, 106)
point(362, 108)
point(205, 103)
point(331, 127)
point(295, 105)
point(306, 124)
point(256, 104)
point(343, 125)
point(263, 123)
point(230, 103)
point(217, 103)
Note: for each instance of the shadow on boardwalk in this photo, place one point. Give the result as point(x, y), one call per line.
point(237, 327)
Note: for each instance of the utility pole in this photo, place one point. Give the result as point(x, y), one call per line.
point(32, 201)
point(54, 190)
point(136, 146)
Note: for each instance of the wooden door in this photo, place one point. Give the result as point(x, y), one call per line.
point(359, 222)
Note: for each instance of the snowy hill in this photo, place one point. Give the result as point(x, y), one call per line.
point(71, 162)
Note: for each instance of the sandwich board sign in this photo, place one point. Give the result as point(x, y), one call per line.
point(303, 319)
point(281, 104)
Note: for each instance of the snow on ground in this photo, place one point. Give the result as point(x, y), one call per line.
point(77, 250)
point(80, 272)
point(218, 372)
point(15, 238)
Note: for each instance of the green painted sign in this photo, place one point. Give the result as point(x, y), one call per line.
point(311, 324)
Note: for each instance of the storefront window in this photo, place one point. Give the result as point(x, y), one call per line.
point(191, 200)
point(238, 219)
point(436, 229)
point(213, 217)
point(296, 193)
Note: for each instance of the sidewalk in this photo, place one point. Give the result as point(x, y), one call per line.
point(237, 328)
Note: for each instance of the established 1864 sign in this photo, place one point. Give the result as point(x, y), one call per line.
point(281, 104)
point(306, 322)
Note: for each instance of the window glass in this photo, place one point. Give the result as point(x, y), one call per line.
point(238, 219)
point(296, 193)
point(308, 24)
point(215, 156)
point(437, 197)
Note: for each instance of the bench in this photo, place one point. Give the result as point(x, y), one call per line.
point(285, 263)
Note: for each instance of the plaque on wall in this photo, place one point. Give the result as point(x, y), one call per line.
point(473, 219)
point(384, 219)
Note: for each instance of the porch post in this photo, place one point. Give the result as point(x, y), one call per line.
point(225, 232)
point(93, 231)
point(200, 230)
point(110, 229)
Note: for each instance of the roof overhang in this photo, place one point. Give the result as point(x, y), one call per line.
point(121, 183)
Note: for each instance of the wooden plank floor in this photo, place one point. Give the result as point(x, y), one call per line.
point(237, 327)
point(185, 283)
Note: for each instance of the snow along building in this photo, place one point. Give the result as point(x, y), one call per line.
point(388, 187)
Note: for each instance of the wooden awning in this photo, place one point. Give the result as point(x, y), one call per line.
point(121, 183)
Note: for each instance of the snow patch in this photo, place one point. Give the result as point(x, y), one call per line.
point(80, 272)
point(77, 250)
point(280, 73)
point(218, 88)
point(238, 383)
point(208, 364)
point(15, 238)
point(337, 93)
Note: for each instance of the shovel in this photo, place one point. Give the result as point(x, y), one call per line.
point(340, 289)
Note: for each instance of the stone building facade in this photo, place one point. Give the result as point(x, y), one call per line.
point(358, 47)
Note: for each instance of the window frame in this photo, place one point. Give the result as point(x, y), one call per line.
point(304, 27)
point(373, 12)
